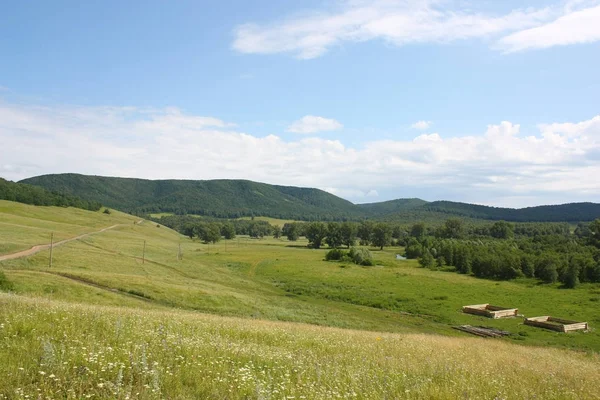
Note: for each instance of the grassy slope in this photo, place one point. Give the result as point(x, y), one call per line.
point(275, 280)
point(121, 353)
point(23, 226)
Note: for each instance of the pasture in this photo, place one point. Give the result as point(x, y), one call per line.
point(395, 315)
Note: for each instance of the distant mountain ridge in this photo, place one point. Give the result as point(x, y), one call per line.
point(237, 198)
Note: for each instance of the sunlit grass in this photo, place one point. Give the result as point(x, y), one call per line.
point(54, 350)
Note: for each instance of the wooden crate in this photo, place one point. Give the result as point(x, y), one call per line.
point(490, 311)
point(556, 324)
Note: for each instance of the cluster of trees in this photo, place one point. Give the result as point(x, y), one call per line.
point(338, 234)
point(569, 259)
point(359, 256)
point(37, 196)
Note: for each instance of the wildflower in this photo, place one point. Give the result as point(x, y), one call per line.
point(42, 373)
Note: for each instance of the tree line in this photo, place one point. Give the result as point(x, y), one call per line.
point(550, 256)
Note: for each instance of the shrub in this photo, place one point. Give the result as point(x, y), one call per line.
point(361, 256)
point(106, 211)
point(335, 254)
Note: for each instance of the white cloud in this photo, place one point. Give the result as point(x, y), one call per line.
point(558, 162)
point(401, 22)
point(421, 125)
point(582, 26)
point(314, 124)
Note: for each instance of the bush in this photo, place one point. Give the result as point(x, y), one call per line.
point(361, 256)
point(335, 254)
point(357, 256)
point(106, 211)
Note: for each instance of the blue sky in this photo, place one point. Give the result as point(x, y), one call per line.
point(494, 102)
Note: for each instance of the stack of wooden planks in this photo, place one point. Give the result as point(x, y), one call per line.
point(482, 331)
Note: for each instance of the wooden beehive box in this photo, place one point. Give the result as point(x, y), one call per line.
point(556, 324)
point(490, 311)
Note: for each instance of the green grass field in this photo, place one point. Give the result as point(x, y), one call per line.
point(276, 280)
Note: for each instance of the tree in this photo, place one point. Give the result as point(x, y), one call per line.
point(418, 230)
point(334, 235)
point(315, 233)
point(276, 231)
point(291, 231)
point(228, 230)
point(209, 233)
point(365, 230)
point(595, 230)
point(349, 231)
point(426, 260)
point(382, 234)
point(190, 230)
point(546, 268)
point(502, 230)
point(453, 228)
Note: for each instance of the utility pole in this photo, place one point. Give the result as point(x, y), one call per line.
point(51, 246)
point(144, 253)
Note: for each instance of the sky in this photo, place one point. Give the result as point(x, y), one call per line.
point(482, 101)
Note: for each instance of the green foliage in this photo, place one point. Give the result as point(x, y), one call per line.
point(291, 230)
point(349, 232)
point(546, 268)
point(361, 256)
point(238, 198)
point(228, 230)
point(106, 211)
point(208, 232)
point(334, 237)
point(382, 235)
point(315, 233)
point(426, 260)
point(37, 196)
point(502, 230)
point(335, 254)
point(215, 198)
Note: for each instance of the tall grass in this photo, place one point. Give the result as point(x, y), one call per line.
point(54, 350)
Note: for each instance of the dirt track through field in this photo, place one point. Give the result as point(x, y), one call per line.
point(41, 247)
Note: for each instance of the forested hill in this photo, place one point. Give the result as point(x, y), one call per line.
point(555, 213)
point(216, 198)
point(237, 198)
point(38, 196)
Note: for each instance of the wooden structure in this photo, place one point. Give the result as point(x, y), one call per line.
point(556, 324)
point(482, 331)
point(490, 311)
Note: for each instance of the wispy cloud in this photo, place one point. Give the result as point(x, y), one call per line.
point(402, 22)
point(421, 125)
point(314, 124)
point(577, 27)
point(499, 166)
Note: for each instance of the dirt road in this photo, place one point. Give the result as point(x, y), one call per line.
point(41, 247)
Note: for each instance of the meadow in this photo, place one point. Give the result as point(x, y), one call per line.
point(397, 339)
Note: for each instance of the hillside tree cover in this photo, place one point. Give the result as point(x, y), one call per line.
point(238, 198)
point(37, 196)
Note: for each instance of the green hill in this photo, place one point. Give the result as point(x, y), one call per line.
point(392, 206)
point(243, 198)
point(554, 213)
point(217, 198)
